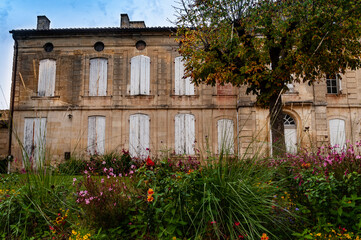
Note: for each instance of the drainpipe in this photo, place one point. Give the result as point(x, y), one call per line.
point(239, 149)
point(15, 63)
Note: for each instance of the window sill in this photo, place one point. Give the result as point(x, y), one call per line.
point(184, 96)
point(291, 93)
point(99, 97)
point(140, 96)
point(45, 97)
point(335, 94)
point(224, 95)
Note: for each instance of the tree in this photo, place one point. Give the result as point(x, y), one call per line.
point(265, 44)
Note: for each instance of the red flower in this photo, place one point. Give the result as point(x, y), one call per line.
point(149, 162)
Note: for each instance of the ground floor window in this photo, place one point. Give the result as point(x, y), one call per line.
point(96, 135)
point(184, 134)
point(139, 135)
point(337, 134)
point(34, 141)
point(225, 131)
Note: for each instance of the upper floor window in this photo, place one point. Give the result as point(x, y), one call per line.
point(139, 135)
point(34, 141)
point(337, 134)
point(184, 134)
point(46, 84)
point(333, 82)
point(182, 86)
point(98, 77)
point(96, 135)
point(225, 136)
point(140, 75)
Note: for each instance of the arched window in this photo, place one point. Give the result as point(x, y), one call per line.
point(290, 134)
point(96, 135)
point(139, 135)
point(98, 77)
point(225, 128)
point(140, 75)
point(46, 83)
point(184, 134)
point(337, 134)
point(182, 86)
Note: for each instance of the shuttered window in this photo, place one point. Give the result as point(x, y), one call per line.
point(98, 77)
point(290, 131)
point(182, 86)
point(225, 136)
point(46, 83)
point(184, 134)
point(337, 134)
point(96, 135)
point(34, 141)
point(139, 135)
point(140, 75)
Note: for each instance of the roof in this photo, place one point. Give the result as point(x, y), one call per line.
point(84, 31)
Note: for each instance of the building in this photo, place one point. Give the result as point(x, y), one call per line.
point(95, 90)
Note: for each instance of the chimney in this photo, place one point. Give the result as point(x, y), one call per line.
point(124, 20)
point(125, 23)
point(43, 23)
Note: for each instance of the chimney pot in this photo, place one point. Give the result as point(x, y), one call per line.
point(124, 20)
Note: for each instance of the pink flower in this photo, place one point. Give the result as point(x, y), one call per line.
point(115, 204)
point(103, 162)
point(102, 181)
point(213, 222)
point(85, 172)
point(87, 201)
point(105, 169)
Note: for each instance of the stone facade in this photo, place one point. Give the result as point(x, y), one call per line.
point(4, 133)
point(71, 104)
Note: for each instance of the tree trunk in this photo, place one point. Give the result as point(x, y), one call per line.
point(277, 126)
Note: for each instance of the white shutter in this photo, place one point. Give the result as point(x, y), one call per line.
point(134, 135)
point(179, 134)
point(189, 131)
point(143, 135)
point(145, 75)
point(337, 133)
point(103, 79)
point(291, 140)
point(46, 82)
point(134, 75)
point(139, 135)
point(100, 134)
point(98, 77)
point(178, 74)
point(34, 140)
point(91, 135)
point(225, 129)
point(28, 138)
point(181, 86)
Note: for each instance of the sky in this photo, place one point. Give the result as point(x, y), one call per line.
point(22, 14)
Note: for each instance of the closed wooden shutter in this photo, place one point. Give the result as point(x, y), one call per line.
point(184, 133)
point(181, 86)
point(135, 75)
point(96, 135)
point(140, 75)
point(145, 75)
point(291, 140)
point(46, 83)
point(35, 141)
point(337, 134)
point(139, 136)
point(225, 129)
point(98, 77)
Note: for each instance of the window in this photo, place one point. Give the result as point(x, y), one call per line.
point(98, 77)
point(96, 135)
point(333, 82)
point(225, 136)
point(184, 134)
point(290, 133)
point(139, 135)
point(46, 84)
point(140, 75)
point(337, 134)
point(182, 86)
point(34, 140)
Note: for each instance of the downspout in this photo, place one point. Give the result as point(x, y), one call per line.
point(15, 63)
point(239, 149)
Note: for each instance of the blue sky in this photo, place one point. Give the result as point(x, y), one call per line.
point(22, 14)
